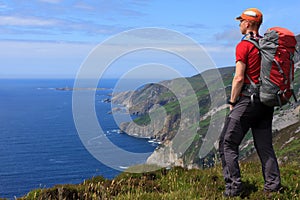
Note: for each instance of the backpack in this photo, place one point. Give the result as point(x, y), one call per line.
point(277, 48)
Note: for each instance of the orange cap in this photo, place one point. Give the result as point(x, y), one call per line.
point(251, 14)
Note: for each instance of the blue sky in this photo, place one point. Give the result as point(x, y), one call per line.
point(51, 38)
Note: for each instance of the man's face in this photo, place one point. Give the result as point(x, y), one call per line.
point(243, 26)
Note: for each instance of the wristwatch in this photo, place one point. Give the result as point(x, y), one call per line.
point(231, 103)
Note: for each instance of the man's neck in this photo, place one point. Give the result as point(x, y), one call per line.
point(255, 32)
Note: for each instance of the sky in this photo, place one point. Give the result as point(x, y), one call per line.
point(53, 38)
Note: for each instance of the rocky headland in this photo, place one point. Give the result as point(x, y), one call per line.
point(161, 115)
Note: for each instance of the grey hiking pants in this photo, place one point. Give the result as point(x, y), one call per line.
point(243, 116)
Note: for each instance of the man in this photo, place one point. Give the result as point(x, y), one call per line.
point(246, 111)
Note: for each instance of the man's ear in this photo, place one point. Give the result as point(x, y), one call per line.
point(248, 24)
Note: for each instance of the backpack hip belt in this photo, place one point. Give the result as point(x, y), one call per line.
point(248, 90)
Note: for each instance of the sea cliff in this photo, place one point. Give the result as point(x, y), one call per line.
point(160, 116)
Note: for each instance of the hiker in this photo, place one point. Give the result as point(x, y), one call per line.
point(246, 111)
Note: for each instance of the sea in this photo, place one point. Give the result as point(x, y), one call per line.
point(39, 143)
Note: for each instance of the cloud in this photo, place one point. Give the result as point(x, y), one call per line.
point(25, 21)
point(83, 18)
point(193, 26)
point(3, 6)
point(69, 21)
point(44, 49)
point(112, 9)
point(84, 6)
point(228, 36)
point(26, 26)
point(41, 59)
point(51, 1)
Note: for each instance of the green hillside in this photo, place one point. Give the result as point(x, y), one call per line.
point(144, 100)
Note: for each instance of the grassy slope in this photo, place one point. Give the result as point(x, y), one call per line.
point(286, 145)
point(176, 183)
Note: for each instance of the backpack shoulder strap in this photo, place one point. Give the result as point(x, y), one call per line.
point(250, 38)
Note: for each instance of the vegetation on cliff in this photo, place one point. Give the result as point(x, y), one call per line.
point(151, 96)
point(176, 183)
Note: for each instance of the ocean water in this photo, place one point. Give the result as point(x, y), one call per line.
point(39, 144)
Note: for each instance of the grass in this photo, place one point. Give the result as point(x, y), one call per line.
point(175, 183)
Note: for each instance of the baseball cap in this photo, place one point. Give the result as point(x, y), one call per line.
point(251, 14)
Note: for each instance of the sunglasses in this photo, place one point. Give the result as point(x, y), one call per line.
point(241, 21)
